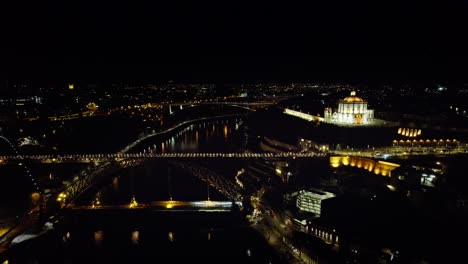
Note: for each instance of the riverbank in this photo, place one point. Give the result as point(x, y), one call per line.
point(24, 224)
point(20, 229)
point(176, 127)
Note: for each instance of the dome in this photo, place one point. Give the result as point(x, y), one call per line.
point(353, 98)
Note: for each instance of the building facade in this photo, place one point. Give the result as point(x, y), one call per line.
point(351, 110)
point(311, 200)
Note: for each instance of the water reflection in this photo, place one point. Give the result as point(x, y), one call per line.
point(89, 247)
point(170, 236)
point(225, 132)
point(135, 237)
point(66, 239)
point(155, 183)
point(218, 136)
point(115, 183)
point(98, 237)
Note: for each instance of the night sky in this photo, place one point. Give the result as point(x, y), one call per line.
point(226, 40)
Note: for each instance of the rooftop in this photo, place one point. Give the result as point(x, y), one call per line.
point(353, 98)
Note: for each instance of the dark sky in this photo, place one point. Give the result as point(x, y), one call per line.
point(227, 40)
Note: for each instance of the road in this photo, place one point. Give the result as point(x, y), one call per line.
point(277, 234)
point(279, 239)
point(24, 223)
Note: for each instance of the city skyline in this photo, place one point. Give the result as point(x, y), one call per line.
point(233, 133)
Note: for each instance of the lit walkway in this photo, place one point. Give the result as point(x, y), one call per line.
point(94, 157)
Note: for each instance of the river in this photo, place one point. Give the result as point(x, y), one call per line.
point(154, 236)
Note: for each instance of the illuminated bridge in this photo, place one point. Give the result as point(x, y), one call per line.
point(228, 188)
point(170, 206)
point(171, 107)
point(251, 106)
point(120, 156)
point(96, 173)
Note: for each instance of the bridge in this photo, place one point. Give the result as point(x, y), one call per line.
point(25, 168)
point(48, 158)
point(251, 106)
point(242, 103)
point(169, 206)
point(175, 128)
point(226, 187)
point(89, 177)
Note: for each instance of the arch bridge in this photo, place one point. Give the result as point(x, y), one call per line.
point(97, 173)
point(103, 157)
point(251, 106)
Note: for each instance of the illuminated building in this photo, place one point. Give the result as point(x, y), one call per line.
point(92, 106)
point(419, 175)
point(378, 167)
point(409, 132)
point(311, 200)
point(309, 145)
point(282, 170)
point(315, 227)
point(351, 110)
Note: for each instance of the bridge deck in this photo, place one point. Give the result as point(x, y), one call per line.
point(173, 206)
point(90, 157)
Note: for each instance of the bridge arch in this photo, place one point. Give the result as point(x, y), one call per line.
point(97, 174)
point(24, 166)
point(174, 108)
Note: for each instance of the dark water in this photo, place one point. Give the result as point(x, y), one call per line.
point(15, 191)
point(17, 186)
point(209, 136)
point(156, 180)
point(150, 236)
point(220, 135)
point(146, 238)
point(159, 180)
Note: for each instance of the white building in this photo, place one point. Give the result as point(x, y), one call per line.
point(311, 200)
point(351, 110)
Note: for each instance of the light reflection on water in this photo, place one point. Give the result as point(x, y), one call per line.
point(115, 184)
point(102, 238)
point(219, 137)
point(135, 237)
point(225, 132)
point(89, 241)
point(156, 181)
point(170, 236)
point(98, 238)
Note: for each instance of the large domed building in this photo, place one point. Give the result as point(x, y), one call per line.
point(351, 110)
